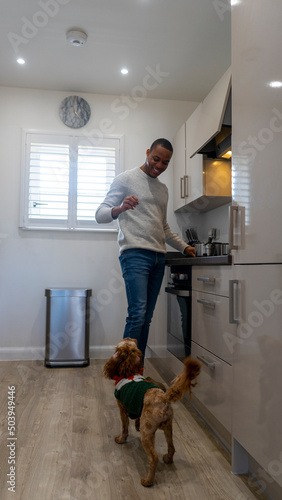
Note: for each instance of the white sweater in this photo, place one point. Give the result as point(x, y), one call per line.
point(146, 226)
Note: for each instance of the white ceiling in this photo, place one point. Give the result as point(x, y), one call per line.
point(187, 40)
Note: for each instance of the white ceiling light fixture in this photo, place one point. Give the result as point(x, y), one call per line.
point(275, 84)
point(20, 60)
point(76, 37)
point(124, 71)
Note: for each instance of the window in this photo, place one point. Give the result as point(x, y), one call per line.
point(65, 180)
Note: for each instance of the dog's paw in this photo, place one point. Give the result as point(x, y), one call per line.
point(167, 459)
point(120, 439)
point(146, 482)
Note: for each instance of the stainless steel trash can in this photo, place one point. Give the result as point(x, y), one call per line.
point(67, 327)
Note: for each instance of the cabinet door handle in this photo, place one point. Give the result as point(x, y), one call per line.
point(206, 279)
point(206, 303)
point(233, 302)
point(236, 212)
point(182, 194)
point(206, 361)
point(186, 186)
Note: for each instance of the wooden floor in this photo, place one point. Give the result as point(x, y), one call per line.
point(66, 421)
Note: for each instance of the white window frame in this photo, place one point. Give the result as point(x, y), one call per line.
point(71, 224)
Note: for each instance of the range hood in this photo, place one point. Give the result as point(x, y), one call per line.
point(220, 145)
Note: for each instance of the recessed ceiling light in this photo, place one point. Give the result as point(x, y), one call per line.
point(124, 71)
point(275, 84)
point(20, 60)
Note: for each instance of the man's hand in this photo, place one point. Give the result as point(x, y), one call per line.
point(190, 251)
point(129, 203)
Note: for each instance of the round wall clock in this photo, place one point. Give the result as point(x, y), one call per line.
point(75, 111)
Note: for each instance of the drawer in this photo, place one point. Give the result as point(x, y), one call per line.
point(214, 388)
point(212, 279)
point(210, 324)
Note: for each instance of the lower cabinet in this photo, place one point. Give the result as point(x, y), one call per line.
point(214, 388)
point(210, 324)
point(211, 333)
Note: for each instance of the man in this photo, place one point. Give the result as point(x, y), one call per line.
point(139, 201)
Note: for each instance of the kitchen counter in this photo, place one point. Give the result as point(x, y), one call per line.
point(178, 259)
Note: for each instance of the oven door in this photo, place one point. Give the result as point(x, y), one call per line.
point(179, 322)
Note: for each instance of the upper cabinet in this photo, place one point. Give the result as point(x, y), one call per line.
point(202, 184)
point(179, 179)
point(210, 116)
point(256, 139)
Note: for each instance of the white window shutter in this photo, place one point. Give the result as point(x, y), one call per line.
point(66, 178)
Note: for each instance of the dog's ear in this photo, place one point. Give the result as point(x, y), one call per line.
point(110, 368)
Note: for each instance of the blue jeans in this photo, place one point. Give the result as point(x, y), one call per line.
point(143, 272)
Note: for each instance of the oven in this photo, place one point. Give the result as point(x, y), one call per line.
point(179, 302)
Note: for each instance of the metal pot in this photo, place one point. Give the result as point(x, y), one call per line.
point(225, 248)
point(218, 248)
point(209, 249)
point(199, 249)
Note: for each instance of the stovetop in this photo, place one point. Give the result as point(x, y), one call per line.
point(178, 259)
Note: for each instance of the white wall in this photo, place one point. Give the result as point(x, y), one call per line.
point(31, 261)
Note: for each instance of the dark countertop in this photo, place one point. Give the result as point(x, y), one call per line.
point(178, 259)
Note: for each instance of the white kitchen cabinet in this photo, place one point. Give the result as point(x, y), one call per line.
point(199, 184)
point(192, 125)
point(210, 115)
point(211, 333)
point(193, 166)
point(256, 134)
point(202, 184)
point(187, 172)
point(194, 178)
point(214, 387)
point(256, 238)
point(179, 169)
point(212, 279)
point(210, 324)
point(257, 366)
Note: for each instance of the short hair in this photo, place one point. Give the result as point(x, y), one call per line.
point(164, 143)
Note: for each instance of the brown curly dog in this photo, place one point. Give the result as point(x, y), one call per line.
point(144, 401)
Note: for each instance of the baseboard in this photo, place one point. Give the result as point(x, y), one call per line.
point(101, 352)
point(22, 353)
point(38, 353)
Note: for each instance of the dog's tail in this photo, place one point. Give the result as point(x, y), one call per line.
point(184, 381)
